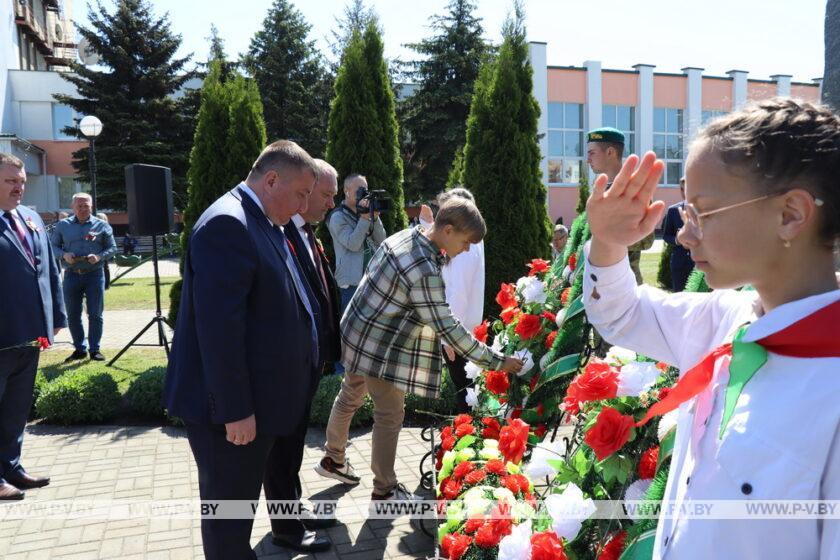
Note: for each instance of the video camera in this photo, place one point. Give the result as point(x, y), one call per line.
point(373, 200)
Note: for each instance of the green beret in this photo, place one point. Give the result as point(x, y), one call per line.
point(605, 134)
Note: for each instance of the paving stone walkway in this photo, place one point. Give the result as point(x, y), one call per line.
point(153, 463)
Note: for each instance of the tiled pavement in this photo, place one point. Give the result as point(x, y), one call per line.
point(153, 463)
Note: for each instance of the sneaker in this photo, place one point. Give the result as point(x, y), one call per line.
point(76, 355)
point(97, 356)
point(343, 473)
point(399, 493)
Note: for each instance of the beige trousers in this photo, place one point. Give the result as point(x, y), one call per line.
point(388, 414)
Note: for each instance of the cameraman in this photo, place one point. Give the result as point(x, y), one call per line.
point(356, 235)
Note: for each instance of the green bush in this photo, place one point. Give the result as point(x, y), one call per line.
point(144, 393)
point(78, 397)
point(445, 404)
point(174, 301)
point(663, 277)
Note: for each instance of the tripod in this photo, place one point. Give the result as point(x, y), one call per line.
point(158, 319)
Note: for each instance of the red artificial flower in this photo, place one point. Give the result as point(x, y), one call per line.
point(663, 392)
point(512, 440)
point(486, 537)
point(501, 521)
point(647, 463)
point(473, 523)
point(516, 483)
point(454, 545)
point(506, 298)
point(43, 342)
point(462, 470)
point(534, 381)
point(464, 430)
point(510, 314)
point(550, 316)
point(480, 332)
point(446, 432)
point(491, 428)
point(462, 419)
point(564, 296)
point(614, 548)
point(549, 340)
point(610, 432)
point(450, 488)
point(662, 366)
point(547, 546)
point(599, 381)
point(497, 382)
point(495, 466)
point(475, 477)
point(537, 266)
point(541, 430)
point(447, 443)
point(540, 409)
point(572, 262)
point(528, 326)
point(517, 412)
point(439, 459)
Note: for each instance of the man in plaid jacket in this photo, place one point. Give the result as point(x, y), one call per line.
point(392, 332)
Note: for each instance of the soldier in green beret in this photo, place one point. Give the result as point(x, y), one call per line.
point(604, 154)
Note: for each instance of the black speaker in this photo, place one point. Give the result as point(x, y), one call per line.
point(148, 191)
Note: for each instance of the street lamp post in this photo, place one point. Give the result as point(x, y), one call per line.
point(91, 127)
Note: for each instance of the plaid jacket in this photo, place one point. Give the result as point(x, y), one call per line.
point(393, 326)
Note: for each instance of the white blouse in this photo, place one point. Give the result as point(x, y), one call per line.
point(782, 441)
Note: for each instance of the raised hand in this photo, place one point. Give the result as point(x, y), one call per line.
point(624, 214)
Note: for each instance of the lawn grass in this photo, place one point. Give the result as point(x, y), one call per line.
point(138, 293)
point(130, 365)
point(650, 267)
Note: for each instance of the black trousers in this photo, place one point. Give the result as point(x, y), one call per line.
point(17, 379)
point(458, 375)
point(282, 475)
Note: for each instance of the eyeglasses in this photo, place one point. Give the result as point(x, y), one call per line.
point(691, 217)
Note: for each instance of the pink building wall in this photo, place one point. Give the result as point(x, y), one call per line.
point(669, 91)
point(568, 85)
point(618, 88)
point(717, 94)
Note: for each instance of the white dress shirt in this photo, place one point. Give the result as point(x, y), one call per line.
point(464, 279)
point(782, 441)
point(299, 223)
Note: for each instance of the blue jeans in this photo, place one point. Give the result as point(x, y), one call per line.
point(91, 287)
point(346, 296)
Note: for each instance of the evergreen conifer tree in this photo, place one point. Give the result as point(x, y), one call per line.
point(132, 96)
point(362, 133)
point(292, 78)
point(502, 161)
point(435, 116)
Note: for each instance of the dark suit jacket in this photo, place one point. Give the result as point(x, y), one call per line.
point(680, 257)
point(244, 342)
point(33, 303)
point(329, 334)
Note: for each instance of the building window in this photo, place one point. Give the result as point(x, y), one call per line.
point(668, 142)
point(63, 116)
point(67, 187)
point(565, 143)
point(623, 118)
point(708, 116)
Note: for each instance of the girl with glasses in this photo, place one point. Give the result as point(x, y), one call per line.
point(757, 402)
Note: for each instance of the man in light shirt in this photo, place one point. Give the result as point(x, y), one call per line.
point(464, 279)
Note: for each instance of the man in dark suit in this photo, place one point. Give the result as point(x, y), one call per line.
point(681, 263)
point(245, 356)
point(33, 308)
point(282, 471)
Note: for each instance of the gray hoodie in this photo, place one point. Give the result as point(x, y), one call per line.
point(350, 233)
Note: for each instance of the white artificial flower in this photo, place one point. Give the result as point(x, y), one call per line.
point(475, 503)
point(499, 342)
point(617, 355)
point(526, 357)
point(532, 289)
point(636, 377)
point(666, 422)
point(472, 371)
point(489, 453)
point(516, 545)
point(472, 397)
point(503, 495)
point(635, 493)
point(538, 466)
point(561, 317)
point(568, 511)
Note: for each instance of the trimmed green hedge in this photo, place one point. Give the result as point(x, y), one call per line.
point(144, 393)
point(78, 398)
